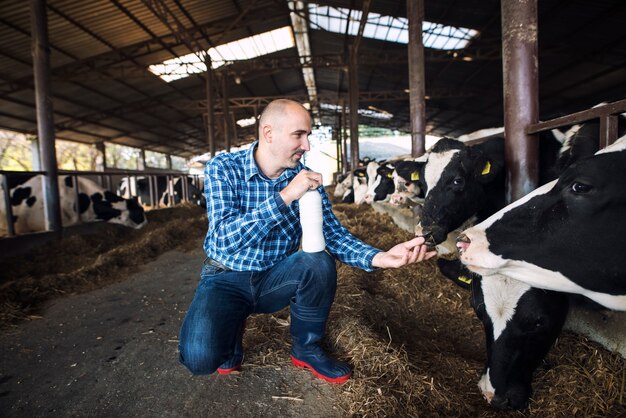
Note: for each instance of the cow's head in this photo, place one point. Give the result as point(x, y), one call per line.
point(344, 183)
point(359, 184)
point(520, 322)
point(406, 179)
point(566, 235)
point(382, 186)
point(458, 181)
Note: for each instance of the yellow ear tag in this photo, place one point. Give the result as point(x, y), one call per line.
point(486, 168)
point(415, 176)
point(390, 176)
point(464, 279)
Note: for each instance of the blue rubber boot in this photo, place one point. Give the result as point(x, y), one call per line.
point(308, 326)
point(234, 363)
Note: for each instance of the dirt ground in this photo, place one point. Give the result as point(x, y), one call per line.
point(90, 324)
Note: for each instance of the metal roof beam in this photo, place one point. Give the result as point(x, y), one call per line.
point(140, 49)
point(62, 126)
point(254, 65)
point(329, 97)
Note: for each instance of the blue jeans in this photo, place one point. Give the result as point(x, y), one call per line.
point(224, 299)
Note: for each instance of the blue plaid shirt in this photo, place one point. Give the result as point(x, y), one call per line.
point(251, 228)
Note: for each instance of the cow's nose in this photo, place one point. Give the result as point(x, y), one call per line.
point(429, 239)
point(463, 242)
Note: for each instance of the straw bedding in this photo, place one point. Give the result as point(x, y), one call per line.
point(416, 347)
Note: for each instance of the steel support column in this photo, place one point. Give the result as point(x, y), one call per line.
point(256, 122)
point(101, 159)
point(210, 104)
point(338, 149)
point(521, 95)
point(417, 80)
point(353, 91)
point(36, 156)
point(347, 164)
point(45, 117)
point(225, 113)
point(141, 161)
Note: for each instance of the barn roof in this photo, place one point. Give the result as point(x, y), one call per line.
point(103, 91)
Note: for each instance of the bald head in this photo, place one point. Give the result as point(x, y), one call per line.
point(284, 130)
point(275, 112)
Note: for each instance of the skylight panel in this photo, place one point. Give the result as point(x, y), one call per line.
point(242, 49)
point(370, 112)
point(388, 28)
point(246, 122)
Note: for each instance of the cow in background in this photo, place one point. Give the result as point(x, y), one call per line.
point(344, 189)
point(89, 203)
point(382, 186)
point(406, 179)
point(140, 188)
point(359, 185)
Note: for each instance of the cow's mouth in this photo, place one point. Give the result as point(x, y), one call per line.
point(462, 242)
point(429, 241)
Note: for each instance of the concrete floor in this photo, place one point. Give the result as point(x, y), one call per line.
point(113, 352)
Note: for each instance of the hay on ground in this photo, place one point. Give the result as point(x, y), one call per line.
point(416, 347)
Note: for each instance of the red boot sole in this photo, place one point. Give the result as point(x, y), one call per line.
point(336, 380)
point(229, 371)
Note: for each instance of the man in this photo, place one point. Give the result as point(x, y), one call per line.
point(253, 263)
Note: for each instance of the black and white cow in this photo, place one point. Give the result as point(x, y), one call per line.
point(92, 203)
point(360, 180)
point(464, 182)
point(382, 186)
point(406, 179)
point(140, 188)
point(344, 189)
point(521, 323)
point(564, 236)
point(461, 182)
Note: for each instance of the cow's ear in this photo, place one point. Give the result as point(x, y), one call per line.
point(484, 170)
point(421, 180)
point(488, 159)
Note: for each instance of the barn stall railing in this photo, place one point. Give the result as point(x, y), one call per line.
point(608, 115)
point(109, 180)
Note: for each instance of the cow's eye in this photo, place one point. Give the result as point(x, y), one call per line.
point(458, 182)
point(581, 188)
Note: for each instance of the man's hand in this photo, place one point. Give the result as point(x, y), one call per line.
point(403, 254)
point(304, 181)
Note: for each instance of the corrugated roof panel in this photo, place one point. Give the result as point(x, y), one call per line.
point(578, 40)
point(69, 35)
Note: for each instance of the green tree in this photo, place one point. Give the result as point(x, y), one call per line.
point(76, 156)
point(15, 151)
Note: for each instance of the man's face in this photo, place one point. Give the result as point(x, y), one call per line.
point(290, 136)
